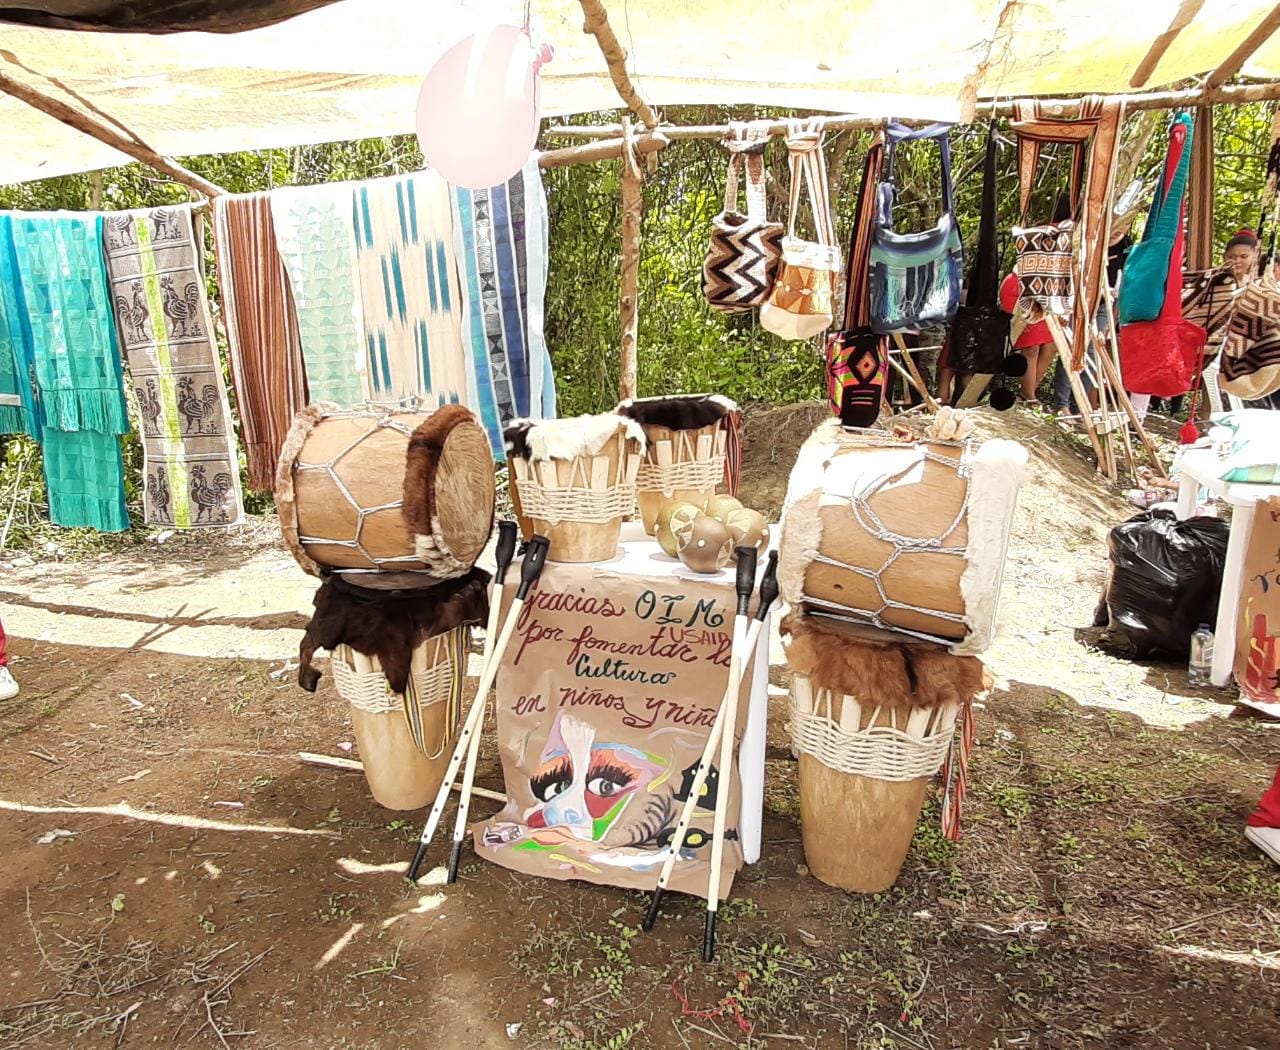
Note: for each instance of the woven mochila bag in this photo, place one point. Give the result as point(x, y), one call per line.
point(742, 260)
point(799, 306)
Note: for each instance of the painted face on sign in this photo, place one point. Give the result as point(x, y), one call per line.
point(584, 786)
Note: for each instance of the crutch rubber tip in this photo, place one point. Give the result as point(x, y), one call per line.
point(651, 916)
point(709, 938)
point(455, 855)
point(418, 858)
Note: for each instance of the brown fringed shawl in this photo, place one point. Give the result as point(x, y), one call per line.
point(1097, 126)
point(262, 330)
point(389, 624)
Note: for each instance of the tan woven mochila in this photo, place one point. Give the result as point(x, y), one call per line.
point(742, 260)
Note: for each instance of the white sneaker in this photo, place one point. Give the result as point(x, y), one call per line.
point(8, 686)
point(1266, 839)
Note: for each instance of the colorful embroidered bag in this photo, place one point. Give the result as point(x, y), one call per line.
point(1146, 271)
point(742, 260)
point(857, 359)
point(980, 333)
point(799, 306)
point(915, 277)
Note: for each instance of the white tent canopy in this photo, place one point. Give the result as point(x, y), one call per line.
point(353, 69)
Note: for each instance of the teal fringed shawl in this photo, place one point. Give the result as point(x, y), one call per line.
point(63, 279)
point(58, 324)
point(19, 410)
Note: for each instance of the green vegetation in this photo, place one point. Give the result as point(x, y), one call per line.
point(684, 345)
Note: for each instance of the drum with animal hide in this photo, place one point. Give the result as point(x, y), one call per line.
point(688, 437)
point(574, 480)
point(399, 658)
point(382, 488)
point(902, 537)
point(871, 724)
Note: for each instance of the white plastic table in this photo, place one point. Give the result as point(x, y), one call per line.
point(1197, 467)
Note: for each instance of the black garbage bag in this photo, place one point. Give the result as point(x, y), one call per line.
point(1164, 582)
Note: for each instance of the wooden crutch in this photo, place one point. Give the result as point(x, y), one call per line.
point(505, 551)
point(534, 558)
point(768, 595)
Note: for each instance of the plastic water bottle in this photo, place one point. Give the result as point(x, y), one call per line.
point(1201, 655)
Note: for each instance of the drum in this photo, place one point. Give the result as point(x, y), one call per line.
point(405, 740)
point(688, 438)
point(871, 724)
point(900, 536)
point(574, 480)
point(381, 488)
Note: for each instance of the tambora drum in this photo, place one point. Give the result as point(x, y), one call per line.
point(688, 443)
point(573, 480)
point(382, 488)
point(907, 537)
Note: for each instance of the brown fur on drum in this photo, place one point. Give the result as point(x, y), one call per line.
point(388, 624)
point(422, 460)
point(303, 423)
point(887, 674)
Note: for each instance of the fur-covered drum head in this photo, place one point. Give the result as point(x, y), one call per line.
point(906, 537)
point(383, 489)
point(688, 438)
point(573, 480)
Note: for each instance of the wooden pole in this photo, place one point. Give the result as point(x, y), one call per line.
point(1232, 64)
point(632, 200)
point(605, 149)
point(1226, 95)
point(94, 128)
point(1059, 338)
point(915, 378)
point(615, 56)
point(1182, 18)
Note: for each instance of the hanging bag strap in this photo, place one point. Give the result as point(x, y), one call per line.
point(746, 144)
point(857, 301)
point(1173, 183)
point(984, 276)
point(804, 147)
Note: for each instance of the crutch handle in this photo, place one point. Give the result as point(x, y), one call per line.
point(768, 586)
point(746, 582)
point(531, 568)
point(506, 549)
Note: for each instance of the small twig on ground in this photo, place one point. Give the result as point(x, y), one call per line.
point(1199, 919)
point(123, 1020)
point(714, 1035)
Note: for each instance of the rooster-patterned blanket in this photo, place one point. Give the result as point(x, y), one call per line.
point(157, 286)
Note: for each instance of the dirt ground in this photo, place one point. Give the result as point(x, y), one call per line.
point(214, 891)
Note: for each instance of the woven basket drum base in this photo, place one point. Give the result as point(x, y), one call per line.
point(651, 502)
point(856, 829)
point(401, 777)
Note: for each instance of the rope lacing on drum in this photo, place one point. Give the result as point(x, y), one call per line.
point(871, 523)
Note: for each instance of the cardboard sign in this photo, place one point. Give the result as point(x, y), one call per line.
point(605, 699)
point(1257, 663)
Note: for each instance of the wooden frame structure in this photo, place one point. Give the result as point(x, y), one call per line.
point(629, 142)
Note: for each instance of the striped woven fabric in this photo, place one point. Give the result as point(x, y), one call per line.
point(262, 330)
point(500, 238)
point(409, 289)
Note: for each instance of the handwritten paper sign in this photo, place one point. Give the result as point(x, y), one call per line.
point(606, 696)
point(1257, 663)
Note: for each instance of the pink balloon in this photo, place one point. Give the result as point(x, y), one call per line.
point(478, 109)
